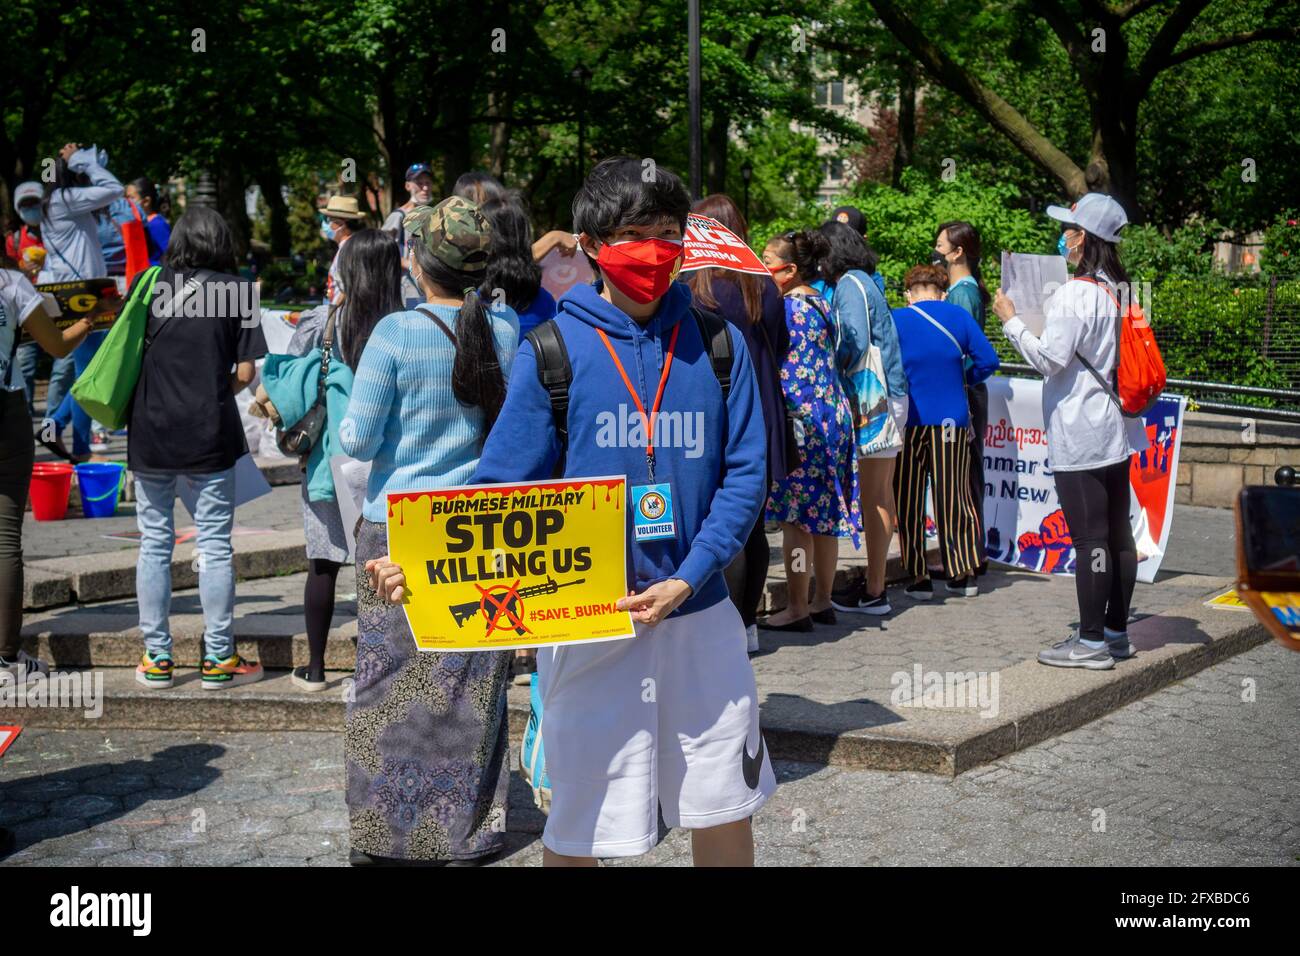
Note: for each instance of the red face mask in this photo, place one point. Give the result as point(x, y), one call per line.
point(641, 269)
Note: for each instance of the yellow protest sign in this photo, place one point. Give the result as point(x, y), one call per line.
point(494, 567)
point(1228, 599)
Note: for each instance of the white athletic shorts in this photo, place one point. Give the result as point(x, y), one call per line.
point(668, 719)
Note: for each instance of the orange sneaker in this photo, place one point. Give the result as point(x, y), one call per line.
point(234, 670)
point(155, 670)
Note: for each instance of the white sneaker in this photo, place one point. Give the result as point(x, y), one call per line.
point(751, 639)
point(24, 666)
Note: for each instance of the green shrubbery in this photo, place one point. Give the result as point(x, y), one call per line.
point(1211, 326)
point(901, 223)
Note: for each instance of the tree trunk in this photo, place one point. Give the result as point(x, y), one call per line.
point(272, 182)
point(457, 155)
point(1112, 166)
point(499, 143)
point(386, 130)
point(230, 203)
point(906, 119)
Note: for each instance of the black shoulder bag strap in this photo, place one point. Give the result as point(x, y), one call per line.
point(717, 342)
point(555, 375)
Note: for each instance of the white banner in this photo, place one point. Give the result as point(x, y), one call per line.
point(1023, 522)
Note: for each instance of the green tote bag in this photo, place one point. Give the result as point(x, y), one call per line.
point(105, 388)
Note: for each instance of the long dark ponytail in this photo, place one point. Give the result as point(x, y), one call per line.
point(476, 376)
point(967, 238)
point(370, 272)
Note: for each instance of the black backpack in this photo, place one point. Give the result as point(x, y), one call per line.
point(556, 375)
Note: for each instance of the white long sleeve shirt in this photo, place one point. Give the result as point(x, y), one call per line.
point(69, 230)
point(1085, 429)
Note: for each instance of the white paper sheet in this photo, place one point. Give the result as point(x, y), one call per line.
point(1028, 282)
point(350, 480)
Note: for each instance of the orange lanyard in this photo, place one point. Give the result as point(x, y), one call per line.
point(647, 420)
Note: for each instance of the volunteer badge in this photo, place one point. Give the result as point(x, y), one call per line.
point(652, 512)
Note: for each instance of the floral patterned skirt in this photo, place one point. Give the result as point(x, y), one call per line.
point(426, 738)
point(821, 495)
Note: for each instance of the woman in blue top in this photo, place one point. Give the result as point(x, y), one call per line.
point(817, 503)
point(425, 739)
point(958, 249)
point(936, 338)
point(863, 319)
point(157, 232)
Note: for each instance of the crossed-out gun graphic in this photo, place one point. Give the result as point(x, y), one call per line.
point(510, 606)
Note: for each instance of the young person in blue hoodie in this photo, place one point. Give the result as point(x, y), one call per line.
point(669, 719)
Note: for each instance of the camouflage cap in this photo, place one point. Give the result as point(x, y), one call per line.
point(454, 231)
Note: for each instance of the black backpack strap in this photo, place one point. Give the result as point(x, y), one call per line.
point(717, 342)
point(556, 374)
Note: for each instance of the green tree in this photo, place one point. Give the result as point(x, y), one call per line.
point(1116, 53)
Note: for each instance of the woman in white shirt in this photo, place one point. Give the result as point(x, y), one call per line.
point(1089, 440)
point(20, 309)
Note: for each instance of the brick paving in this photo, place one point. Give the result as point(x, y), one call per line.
point(1201, 772)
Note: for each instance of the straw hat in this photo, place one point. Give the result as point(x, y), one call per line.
point(342, 207)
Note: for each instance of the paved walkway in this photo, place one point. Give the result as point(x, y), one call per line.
point(1192, 775)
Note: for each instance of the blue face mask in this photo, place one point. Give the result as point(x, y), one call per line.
point(1062, 248)
point(31, 215)
point(326, 232)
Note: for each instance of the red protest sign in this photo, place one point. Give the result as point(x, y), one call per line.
point(7, 736)
point(711, 245)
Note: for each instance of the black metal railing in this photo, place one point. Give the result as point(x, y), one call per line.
point(1284, 396)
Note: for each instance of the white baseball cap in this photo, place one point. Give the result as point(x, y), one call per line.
point(1096, 213)
point(26, 191)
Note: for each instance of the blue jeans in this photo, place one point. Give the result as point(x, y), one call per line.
point(27, 364)
point(155, 497)
point(61, 377)
point(68, 410)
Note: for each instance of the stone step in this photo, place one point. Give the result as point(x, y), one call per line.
point(107, 575)
point(268, 622)
point(1034, 703)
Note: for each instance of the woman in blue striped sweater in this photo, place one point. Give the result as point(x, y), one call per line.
point(425, 742)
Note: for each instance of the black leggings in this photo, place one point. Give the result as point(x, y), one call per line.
point(16, 453)
point(754, 560)
point(318, 607)
point(1095, 504)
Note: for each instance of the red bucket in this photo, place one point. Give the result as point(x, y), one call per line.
point(51, 482)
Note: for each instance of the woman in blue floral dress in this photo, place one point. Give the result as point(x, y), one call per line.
point(817, 503)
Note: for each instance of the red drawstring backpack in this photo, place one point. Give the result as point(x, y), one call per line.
point(136, 245)
point(1139, 369)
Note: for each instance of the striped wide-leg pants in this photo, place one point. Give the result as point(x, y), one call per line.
point(940, 453)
